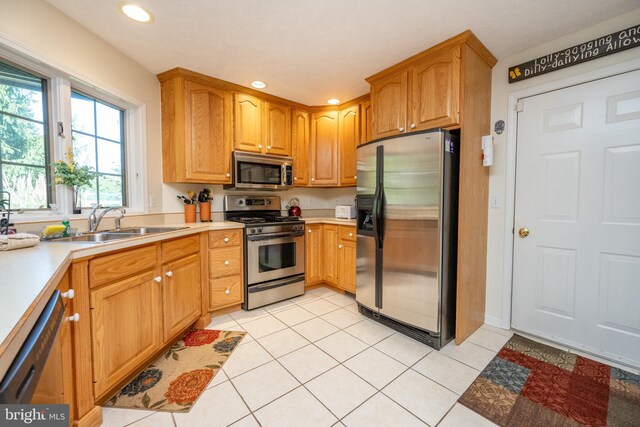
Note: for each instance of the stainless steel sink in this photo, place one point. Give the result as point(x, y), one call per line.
point(111, 235)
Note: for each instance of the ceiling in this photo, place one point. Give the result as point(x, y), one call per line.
point(312, 50)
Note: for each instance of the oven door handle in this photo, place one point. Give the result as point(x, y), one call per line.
point(267, 286)
point(260, 237)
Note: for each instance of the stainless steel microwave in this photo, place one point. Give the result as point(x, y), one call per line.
point(261, 172)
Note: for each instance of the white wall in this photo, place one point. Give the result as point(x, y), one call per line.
point(499, 111)
point(36, 26)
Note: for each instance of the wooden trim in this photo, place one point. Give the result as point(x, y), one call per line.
point(93, 418)
point(204, 278)
point(212, 81)
point(81, 335)
point(203, 321)
point(473, 195)
point(226, 310)
point(465, 37)
point(325, 285)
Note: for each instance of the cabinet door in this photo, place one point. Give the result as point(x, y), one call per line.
point(247, 123)
point(347, 265)
point(300, 136)
point(277, 133)
point(389, 102)
point(349, 139)
point(324, 148)
point(330, 249)
point(207, 134)
point(314, 272)
point(366, 112)
point(126, 328)
point(181, 294)
point(435, 92)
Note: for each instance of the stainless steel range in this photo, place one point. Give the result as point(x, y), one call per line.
point(273, 249)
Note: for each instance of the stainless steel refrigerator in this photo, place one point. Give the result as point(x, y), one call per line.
point(407, 215)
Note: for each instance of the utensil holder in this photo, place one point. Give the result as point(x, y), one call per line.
point(205, 211)
point(189, 213)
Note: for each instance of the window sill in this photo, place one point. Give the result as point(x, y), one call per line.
point(28, 218)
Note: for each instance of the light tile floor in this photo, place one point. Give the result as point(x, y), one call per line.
point(314, 361)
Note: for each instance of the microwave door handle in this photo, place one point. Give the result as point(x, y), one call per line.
point(283, 174)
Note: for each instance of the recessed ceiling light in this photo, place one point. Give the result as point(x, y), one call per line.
point(333, 101)
point(258, 84)
point(135, 12)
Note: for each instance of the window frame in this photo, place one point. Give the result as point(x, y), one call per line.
point(47, 134)
point(62, 78)
point(123, 143)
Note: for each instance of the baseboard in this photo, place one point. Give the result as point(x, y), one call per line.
point(203, 321)
point(493, 321)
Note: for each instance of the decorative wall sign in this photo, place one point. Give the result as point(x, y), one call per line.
point(597, 48)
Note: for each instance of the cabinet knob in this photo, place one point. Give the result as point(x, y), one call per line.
point(413, 125)
point(268, 147)
point(355, 176)
point(227, 291)
point(350, 234)
point(295, 178)
point(74, 318)
point(313, 179)
point(310, 231)
point(228, 174)
point(226, 262)
point(69, 294)
point(157, 279)
point(339, 246)
point(401, 129)
point(226, 240)
point(260, 146)
point(169, 273)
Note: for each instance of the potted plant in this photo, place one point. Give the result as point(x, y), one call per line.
point(72, 175)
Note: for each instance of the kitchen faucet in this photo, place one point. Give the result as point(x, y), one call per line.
point(94, 221)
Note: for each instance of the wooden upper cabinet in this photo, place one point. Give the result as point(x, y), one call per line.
point(300, 147)
point(247, 123)
point(389, 102)
point(366, 117)
point(277, 130)
point(196, 132)
point(324, 148)
point(435, 92)
point(349, 139)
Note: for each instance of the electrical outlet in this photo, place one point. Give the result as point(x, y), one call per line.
point(152, 201)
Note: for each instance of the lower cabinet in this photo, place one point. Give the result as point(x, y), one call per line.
point(226, 286)
point(181, 294)
point(142, 308)
point(56, 382)
point(331, 256)
point(314, 271)
point(126, 328)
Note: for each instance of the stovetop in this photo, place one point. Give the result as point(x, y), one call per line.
point(255, 210)
point(264, 219)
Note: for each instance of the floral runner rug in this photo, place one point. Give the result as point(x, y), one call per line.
point(175, 380)
point(532, 384)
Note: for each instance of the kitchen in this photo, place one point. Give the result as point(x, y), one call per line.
point(99, 69)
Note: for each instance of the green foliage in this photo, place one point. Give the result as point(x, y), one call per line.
point(71, 174)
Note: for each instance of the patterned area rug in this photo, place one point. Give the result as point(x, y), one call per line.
point(176, 379)
point(532, 384)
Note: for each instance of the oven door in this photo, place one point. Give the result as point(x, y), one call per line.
point(276, 256)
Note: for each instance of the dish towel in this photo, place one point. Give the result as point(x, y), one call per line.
point(18, 241)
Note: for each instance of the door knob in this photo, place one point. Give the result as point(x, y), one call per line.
point(157, 279)
point(228, 174)
point(413, 125)
point(226, 263)
point(339, 246)
point(259, 145)
point(401, 129)
point(169, 273)
point(227, 291)
point(523, 232)
point(74, 318)
point(268, 147)
point(226, 240)
point(69, 294)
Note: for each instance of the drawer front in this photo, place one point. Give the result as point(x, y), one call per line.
point(225, 291)
point(110, 268)
point(224, 238)
point(180, 248)
point(225, 262)
point(348, 233)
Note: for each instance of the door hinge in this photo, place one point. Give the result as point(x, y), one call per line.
point(519, 106)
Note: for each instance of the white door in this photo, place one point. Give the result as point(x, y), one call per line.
point(576, 276)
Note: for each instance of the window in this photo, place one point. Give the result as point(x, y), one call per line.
point(24, 138)
point(97, 130)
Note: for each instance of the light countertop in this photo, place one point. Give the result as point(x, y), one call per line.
point(29, 276)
